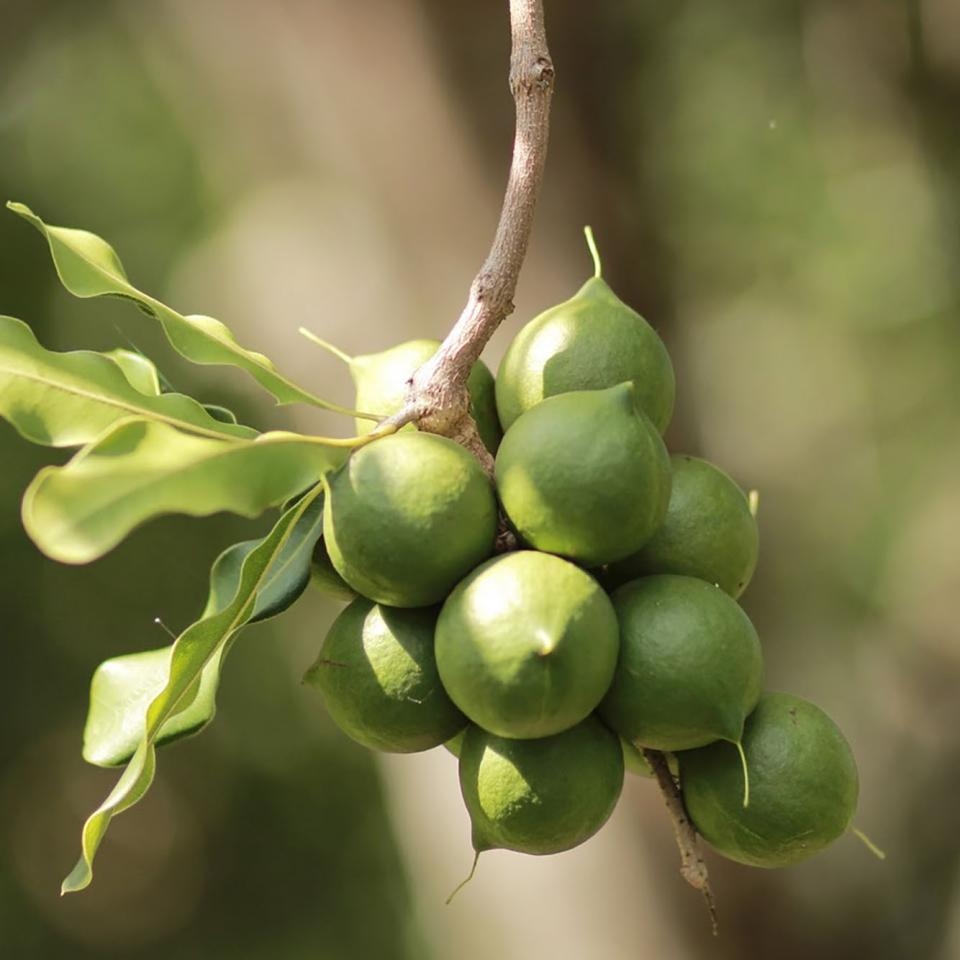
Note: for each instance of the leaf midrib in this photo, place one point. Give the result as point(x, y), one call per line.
point(145, 412)
point(134, 293)
point(236, 621)
point(80, 519)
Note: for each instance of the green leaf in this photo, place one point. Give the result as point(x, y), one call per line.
point(123, 687)
point(141, 372)
point(193, 650)
point(139, 470)
point(121, 691)
point(89, 267)
point(69, 399)
point(288, 577)
point(223, 414)
point(144, 376)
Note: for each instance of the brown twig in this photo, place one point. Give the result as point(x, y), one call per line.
point(692, 867)
point(437, 400)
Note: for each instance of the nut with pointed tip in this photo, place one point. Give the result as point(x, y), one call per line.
point(803, 778)
point(585, 475)
point(527, 644)
point(690, 665)
point(591, 341)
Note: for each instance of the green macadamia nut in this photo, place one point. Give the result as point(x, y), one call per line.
point(378, 678)
point(803, 785)
point(585, 475)
point(540, 796)
point(589, 342)
point(382, 380)
point(708, 532)
point(690, 664)
point(527, 644)
point(407, 516)
point(324, 576)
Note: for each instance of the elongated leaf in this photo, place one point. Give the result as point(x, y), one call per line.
point(69, 399)
point(89, 267)
point(123, 687)
point(196, 647)
point(144, 376)
point(288, 576)
point(139, 470)
point(121, 691)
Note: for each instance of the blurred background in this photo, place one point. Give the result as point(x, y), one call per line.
point(775, 185)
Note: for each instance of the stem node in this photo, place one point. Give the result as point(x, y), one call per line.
point(436, 400)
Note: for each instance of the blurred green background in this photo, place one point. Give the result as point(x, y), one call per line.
point(774, 185)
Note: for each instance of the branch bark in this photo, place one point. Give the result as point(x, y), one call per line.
point(692, 866)
point(437, 400)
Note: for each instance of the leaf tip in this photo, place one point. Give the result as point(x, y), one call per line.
point(78, 879)
point(22, 210)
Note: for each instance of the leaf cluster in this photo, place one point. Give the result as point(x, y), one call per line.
point(143, 450)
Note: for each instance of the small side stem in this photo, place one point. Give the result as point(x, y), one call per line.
point(594, 252)
point(692, 866)
point(325, 345)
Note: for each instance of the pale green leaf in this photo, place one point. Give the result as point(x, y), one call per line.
point(121, 691)
point(144, 376)
point(140, 371)
point(123, 687)
point(89, 267)
point(139, 470)
point(194, 649)
point(69, 399)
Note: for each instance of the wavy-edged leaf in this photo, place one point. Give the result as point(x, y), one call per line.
point(123, 687)
point(288, 576)
point(69, 399)
point(193, 650)
point(89, 267)
point(121, 691)
point(140, 371)
point(144, 376)
point(139, 470)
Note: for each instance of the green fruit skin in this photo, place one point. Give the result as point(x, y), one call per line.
point(540, 796)
point(585, 475)
point(803, 785)
point(407, 516)
point(592, 341)
point(527, 645)
point(455, 743)
point(381, 386)
point(325, 578)
point(483, 405)
point(690, 665)
point(708, 532)
point(378, 678)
